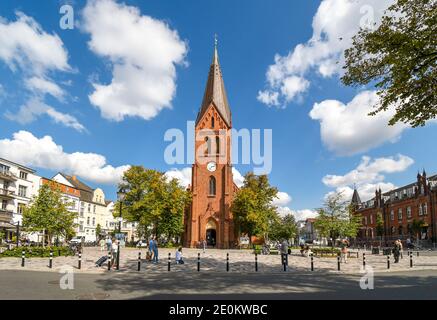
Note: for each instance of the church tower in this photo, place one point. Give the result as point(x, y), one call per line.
point(209, 217)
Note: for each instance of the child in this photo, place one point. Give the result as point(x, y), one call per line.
point(179, 256)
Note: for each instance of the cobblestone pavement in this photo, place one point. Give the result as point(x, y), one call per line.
point(214, 261)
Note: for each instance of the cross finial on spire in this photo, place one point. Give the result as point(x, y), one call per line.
point(215, 41)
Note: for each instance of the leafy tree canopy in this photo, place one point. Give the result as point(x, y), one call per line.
point(400, 57)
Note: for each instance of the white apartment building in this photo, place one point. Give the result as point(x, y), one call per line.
point(18, 184)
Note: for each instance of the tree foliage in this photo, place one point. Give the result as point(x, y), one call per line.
point(48, 211)
point(336, 218)
point(252, 206)
point(154, 201)
point(283, 228)
point(400, 57)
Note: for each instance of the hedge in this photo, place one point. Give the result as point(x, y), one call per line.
point(37, 252)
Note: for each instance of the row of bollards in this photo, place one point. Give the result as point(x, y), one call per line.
point(284, 261)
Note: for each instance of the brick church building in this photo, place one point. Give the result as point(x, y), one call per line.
point(399, 210)
point(209, 216)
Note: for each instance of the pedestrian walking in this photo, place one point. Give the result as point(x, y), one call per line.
point(396, 251)
point(102, 243)
point(284, 251)
point(108, 243)
point(155, 250)
point(344, 250)
point(114, 251)
point(204, 245)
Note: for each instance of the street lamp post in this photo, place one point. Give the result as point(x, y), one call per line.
point(120, 196)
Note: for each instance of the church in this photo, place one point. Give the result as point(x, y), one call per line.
point(209, 216)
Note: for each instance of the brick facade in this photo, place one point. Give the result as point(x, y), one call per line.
point(399, 210)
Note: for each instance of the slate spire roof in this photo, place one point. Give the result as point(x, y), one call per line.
point(356, 197)
point(215, 92)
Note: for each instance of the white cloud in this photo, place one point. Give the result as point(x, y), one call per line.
point(238, 178)
point(298, 214)
point(25, 44)
point(282, 199)
point(334, 25)
point(348, 129)
point(183, 176)
point(293, 86)
point(143, 51)
point(44, 86)
point(35, 108)
point(368, 176)
point(44, 153)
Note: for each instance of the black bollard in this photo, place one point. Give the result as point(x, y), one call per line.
point(411, 259)
point(23, 257)
point(109, 261)
point(198, 262)
point(338, 262)
point(80, 261)
point(388, 262)
point(169, 261)
point(139, 261)
point(256, 262)
point(312, 262)
point(417, 253)
point(364, 259)
point(51, 259)
point(227, 262)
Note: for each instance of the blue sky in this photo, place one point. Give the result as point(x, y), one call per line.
point(313, 154)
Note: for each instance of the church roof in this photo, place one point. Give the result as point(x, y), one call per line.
point(356, 197)
point(215, 92)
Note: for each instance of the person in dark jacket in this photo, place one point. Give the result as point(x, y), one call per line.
point(396, 251)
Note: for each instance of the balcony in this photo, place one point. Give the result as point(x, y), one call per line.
point(6, 216)
point(6, 194)
point(8, 176)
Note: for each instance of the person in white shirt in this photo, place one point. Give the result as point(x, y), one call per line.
point(179, 256)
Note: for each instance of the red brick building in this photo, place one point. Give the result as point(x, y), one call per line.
point(399, 210)
point(209, 217)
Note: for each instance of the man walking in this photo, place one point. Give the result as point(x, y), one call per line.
point(284, 251)
point(204, 245)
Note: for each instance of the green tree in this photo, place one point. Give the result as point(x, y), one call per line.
point(379, 225)
point(400, 58)
point(252, 206)
point(98, 231)
point(151, 199)
point(337, 219)
point(283, 228)
point(416, 228)
point(48, 212)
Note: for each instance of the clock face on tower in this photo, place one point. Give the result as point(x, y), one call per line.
point(211, 166)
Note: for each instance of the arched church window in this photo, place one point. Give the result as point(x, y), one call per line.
point(208, 146)
point(212, 186)
point(217, 145)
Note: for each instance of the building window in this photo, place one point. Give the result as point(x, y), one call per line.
point(371, 219)
point(217, 144)
point(408, 212)
point(208, 146)
point(81, 226)
point(425, 209)
point(4, 169)
point(89, 207)
point(20, 208)
point(94, 209)
point(4, 204)
point(94, 222)
point(400, 215)
point(420, 210)
point(212, 186)
point(88, 221)
point(365, 221)
point(22, 191)
point(212, 122)
point(392, 215)
point(400, 231)
point(23, 175)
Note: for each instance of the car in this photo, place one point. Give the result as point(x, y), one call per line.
point(77, 240)
point(142, 244)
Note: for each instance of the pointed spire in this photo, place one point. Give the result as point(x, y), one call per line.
point(355, 197)
point(215, 91)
